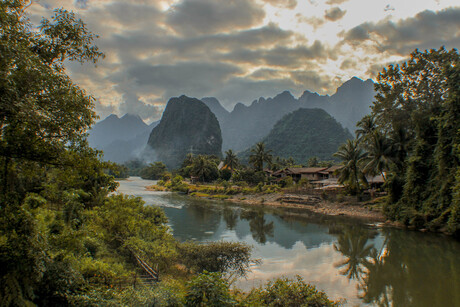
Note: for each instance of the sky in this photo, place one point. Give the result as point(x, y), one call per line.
point(240, 50)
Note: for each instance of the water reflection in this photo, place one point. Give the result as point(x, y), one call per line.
point(365, 265)
point(353, 244)
point(231, 217)
point(259, 226)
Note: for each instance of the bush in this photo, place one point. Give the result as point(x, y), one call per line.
point(286, 182)
point(284, 292)
point(154, 171)
point(222, 257)
point(209, 289)
point(252, 177)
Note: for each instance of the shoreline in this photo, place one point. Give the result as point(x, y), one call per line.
point(310, 203)
point(355, 211)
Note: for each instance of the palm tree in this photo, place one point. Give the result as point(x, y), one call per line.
point(379, 154)
point(204, 169)
point(366, 126)
point(231, 159)
point(351, 154)
point(259, 156)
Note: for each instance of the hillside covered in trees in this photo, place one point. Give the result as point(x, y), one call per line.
point(304, 134)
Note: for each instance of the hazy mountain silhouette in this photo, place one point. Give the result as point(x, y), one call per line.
point(246, 125)
point(121, 139)
point(187, 126)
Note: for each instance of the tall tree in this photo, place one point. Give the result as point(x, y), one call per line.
point(379, 155)
point(351, 173)
point(366, 126)
point(417, 104)
point(259, 156)
point(231, 160)
point(204, 168)
point(42, 112)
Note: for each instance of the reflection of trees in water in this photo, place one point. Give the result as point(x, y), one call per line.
point(259, 227)
point(414, 270)
point(231, 217)
point(353, 244)
point(409, 269)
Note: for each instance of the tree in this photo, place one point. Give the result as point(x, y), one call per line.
point(42, 113)
point(154, 171)
point(379, 155)
point(417, 106)
point(366, 126)
point(313, 162)
point(205, 169)
point(259, 156)
point(351, 174)
point(231, 159)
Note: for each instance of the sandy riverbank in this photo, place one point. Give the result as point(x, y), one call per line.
point(313, 204)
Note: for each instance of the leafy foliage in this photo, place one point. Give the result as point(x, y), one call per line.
point(259, 156)
point(154, 171)
point(209, 289)
point(284, 292)
point(223, 257)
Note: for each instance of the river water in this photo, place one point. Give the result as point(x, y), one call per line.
point(361, 262)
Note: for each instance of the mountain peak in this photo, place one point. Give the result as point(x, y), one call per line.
point(284, 95)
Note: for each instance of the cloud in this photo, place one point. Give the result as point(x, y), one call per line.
point(334, 14)
point(425, 30)
point(289, 4)
point(132, 105)
point(189, 78)
point(332, 2)
point(315, 22)
point(199, 17)
point(281, 56)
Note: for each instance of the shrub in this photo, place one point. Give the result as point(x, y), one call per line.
point(286, 182)
point(284, 292)
point(209, 289)
point(222, 257)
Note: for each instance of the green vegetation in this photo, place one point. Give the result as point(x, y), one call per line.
point(412, 139)
point(304, 134)
point(286, 292)
point(259, 155)
point(153, 171)
point(63, 240)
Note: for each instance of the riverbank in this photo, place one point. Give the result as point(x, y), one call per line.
point(336, 206)
point(312, 203)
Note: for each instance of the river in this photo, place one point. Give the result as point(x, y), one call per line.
point(361, 262)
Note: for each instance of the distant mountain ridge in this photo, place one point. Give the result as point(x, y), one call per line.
point(246, 125)
point(121, 139)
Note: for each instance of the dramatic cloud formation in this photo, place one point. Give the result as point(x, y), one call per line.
point(334, 14)
point(425, 30)
point(191, 17)
point(240, 50)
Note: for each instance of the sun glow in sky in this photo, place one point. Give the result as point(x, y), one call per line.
point(240, 50)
